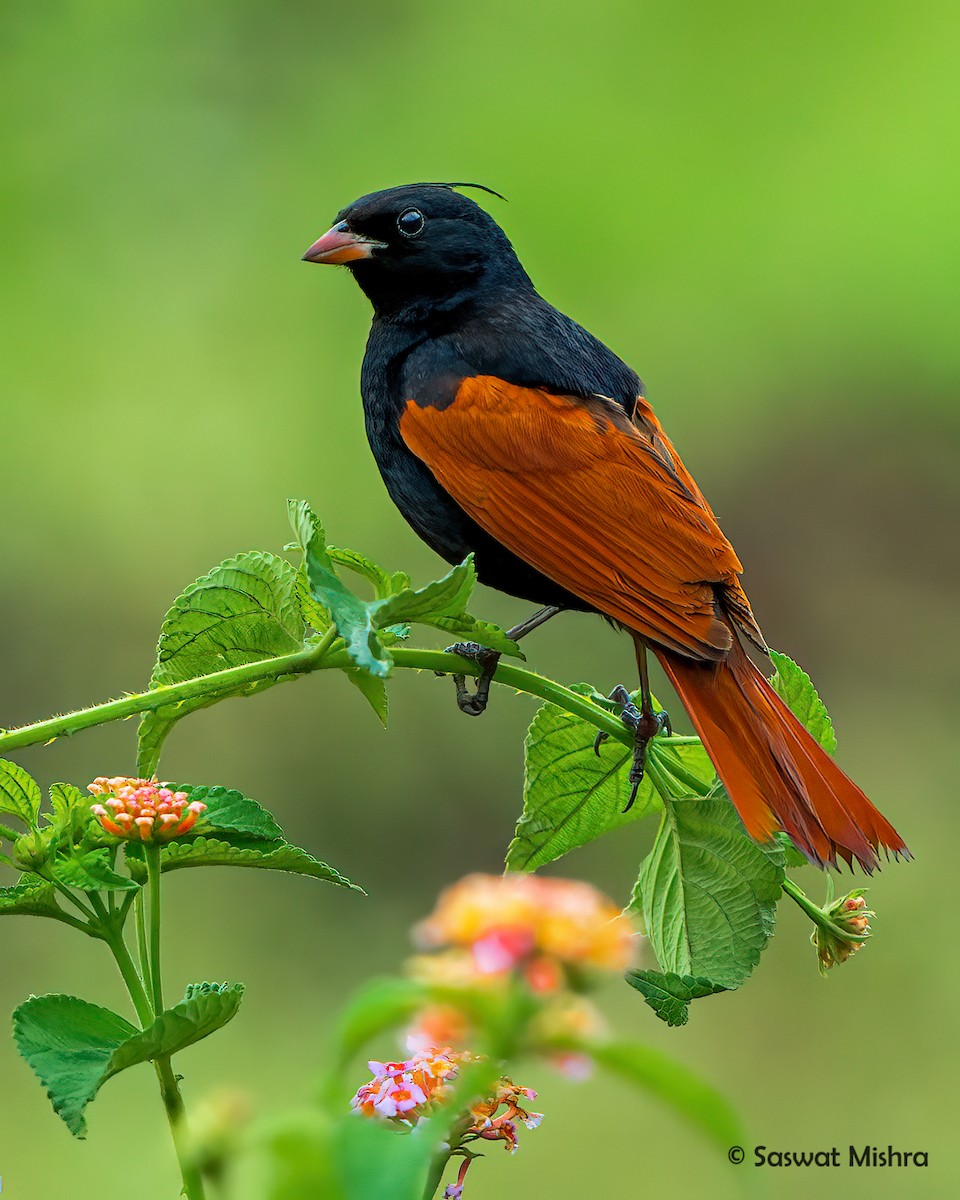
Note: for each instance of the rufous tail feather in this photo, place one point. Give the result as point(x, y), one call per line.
point(777, 776)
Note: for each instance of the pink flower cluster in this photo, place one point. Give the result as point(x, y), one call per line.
point(143, 809)
point(406, 1092)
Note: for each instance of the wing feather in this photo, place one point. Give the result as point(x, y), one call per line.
point(598, 503)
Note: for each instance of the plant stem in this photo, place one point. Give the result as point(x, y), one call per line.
point(176, 1115)
point(302, 662)
point(152, 854)
point(438, 1164)
point(130, 976)
point(169, 1087)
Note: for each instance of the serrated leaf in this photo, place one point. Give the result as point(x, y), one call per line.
point(205, 1008)
point(215, 852)
point(74, 1047)
point(795, 688)
point(676, 1085)
point(351, 615)
point(669, 994)
point(571, 796)
point(443, 605)
point(709, 892)
point(31, 897)
point(245, 610)
point(71, 816)
point(230, 811)
point(68, 1044)
point(374, 689)
point(90, 872)
point(385, 583)
point(19, 793)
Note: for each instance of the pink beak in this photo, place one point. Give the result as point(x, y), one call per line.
point(339, 245)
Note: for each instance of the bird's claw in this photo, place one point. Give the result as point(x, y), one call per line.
point(644, 724)
point(474, 703)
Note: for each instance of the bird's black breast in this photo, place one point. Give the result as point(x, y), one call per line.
point(526, 343)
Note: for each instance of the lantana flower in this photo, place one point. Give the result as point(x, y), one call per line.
point(535, 924)
point(408, 1092)
point(143, 809)
point(844, 930)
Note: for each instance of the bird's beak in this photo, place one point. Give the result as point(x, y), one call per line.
point(339, 245)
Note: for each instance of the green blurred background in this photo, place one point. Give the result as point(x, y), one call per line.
point(753, 204)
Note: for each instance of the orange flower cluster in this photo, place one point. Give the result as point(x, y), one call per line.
point(489, 1123)
point(536, 924)
point(143, 809)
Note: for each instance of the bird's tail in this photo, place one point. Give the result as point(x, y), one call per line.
point(775, 773)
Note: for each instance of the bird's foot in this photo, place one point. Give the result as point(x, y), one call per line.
point(474, 703)
point(644, 724)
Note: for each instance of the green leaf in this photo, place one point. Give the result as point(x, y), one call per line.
point(791, 855)
point(245, 610)
point(205, 1008)
point(19, 793)
point(68, 1043)
point(384, 582)
point(31, 897)
point(709, 892)
point(71, 816)
point(74, 1047)
point(229, 811)
point(91, 872)
point(275, 855)
point(571, 796)
point(795, 687)
point(374, 689)
point(351, 615)
point(669, 995)
point(676, 1085)
point(443, 604)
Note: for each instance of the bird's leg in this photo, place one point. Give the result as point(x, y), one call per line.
point(473, 703)
point(643, 722)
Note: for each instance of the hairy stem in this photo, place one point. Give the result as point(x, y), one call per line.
point(324, 656)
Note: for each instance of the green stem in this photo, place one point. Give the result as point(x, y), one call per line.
point(130, 976)
point(169, 1087)
point(176, 1115)
point(152, 854)
point(438, 1164)
point(813, 911)
point(302, 662)
point(141, 924)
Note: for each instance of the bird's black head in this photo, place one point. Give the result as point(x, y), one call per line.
point(421, 243)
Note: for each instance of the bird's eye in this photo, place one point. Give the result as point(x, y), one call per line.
point(410, 222)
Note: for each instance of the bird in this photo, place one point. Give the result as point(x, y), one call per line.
point(504, 430)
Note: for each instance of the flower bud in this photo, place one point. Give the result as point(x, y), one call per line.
point(843, 930)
